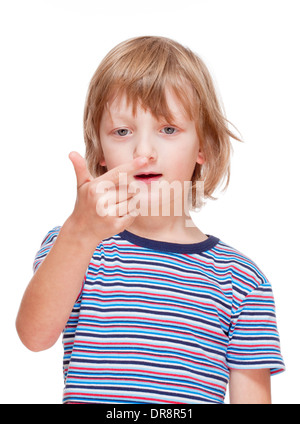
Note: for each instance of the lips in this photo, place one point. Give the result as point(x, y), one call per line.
point(147, 176)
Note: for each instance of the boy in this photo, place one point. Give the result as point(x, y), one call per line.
point(152, 310)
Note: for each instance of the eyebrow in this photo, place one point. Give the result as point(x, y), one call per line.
point(119, 120)
point(114, 116)
point(118, 115)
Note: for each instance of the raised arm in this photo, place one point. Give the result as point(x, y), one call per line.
point(52, 291)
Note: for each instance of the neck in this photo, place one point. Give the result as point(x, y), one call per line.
point(167, 228)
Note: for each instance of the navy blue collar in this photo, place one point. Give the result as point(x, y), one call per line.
point(165, 246)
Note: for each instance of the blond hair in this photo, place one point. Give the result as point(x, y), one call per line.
point(142, 68)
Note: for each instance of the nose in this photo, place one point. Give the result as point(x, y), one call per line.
point(145, 147)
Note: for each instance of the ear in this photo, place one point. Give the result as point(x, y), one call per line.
point(200, 158)
point(102, 162)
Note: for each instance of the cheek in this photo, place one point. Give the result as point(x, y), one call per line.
point(185, 160)
point(186, 153)
point(113, 158)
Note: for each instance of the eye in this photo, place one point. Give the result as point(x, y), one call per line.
point(169, 130)
point(122, 132)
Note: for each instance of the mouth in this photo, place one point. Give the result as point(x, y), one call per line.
point(147, 176)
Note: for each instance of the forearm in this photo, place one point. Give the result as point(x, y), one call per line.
point(52, 292)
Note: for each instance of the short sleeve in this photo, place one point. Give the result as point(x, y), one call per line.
point(253, 337)
point(46, 246)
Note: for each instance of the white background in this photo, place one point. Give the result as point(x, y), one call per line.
point(49, 51)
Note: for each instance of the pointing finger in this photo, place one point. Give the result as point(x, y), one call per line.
point(130, 168)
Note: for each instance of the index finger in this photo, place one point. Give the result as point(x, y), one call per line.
point(129, 167)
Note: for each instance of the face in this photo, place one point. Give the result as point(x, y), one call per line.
point(172, 148)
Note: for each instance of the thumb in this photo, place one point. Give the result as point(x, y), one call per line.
point(80, 168)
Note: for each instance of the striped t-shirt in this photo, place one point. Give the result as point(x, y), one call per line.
point(160, 322)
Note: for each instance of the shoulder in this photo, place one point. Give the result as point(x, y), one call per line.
point(46, 245)
point(245, 273)
point(51, 235)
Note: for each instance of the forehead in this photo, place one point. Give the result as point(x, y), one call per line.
point(172, 109)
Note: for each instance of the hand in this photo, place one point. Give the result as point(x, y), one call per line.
point(90, 218)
